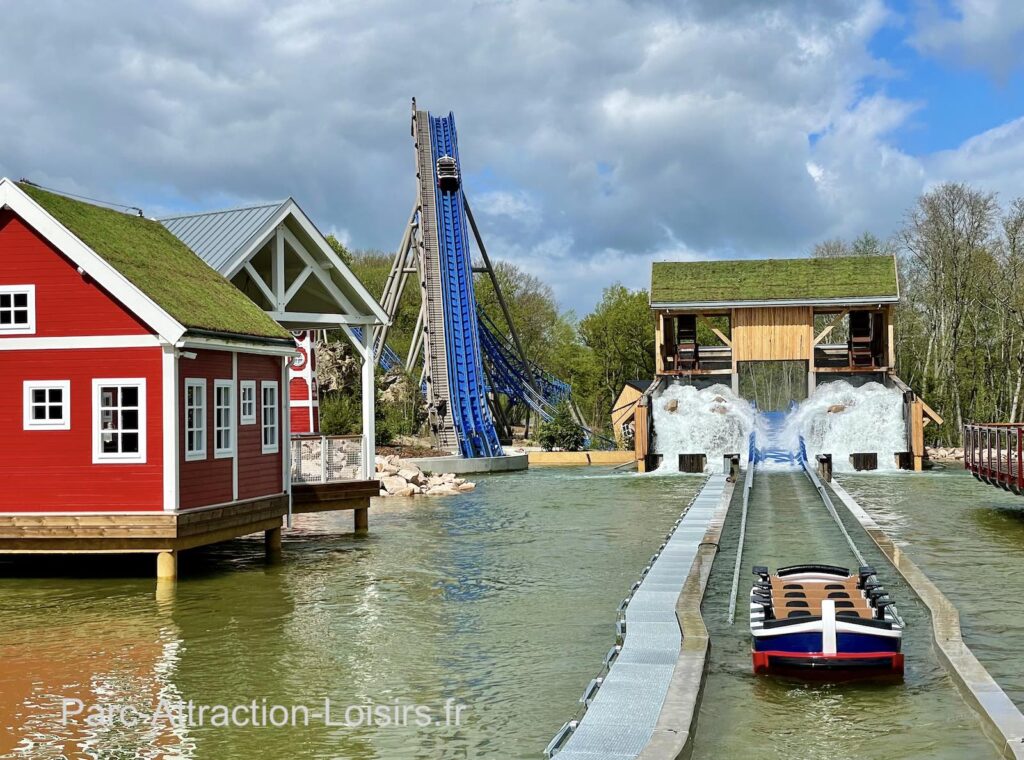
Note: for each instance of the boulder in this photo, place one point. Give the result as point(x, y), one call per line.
point(393, 483)
point(407, 491)
point(671, 405)
point(719, 399)
point(435, 480)
point(467, 486)
point(411, 474)
point(836, 408)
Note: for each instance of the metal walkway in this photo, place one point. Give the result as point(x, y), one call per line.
point(622, 707)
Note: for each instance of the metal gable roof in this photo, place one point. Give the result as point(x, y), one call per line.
point(218, 236)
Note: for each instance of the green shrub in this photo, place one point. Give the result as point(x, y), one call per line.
point(340, 414)
point(561, 432)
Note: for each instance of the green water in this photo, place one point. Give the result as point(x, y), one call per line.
point(969, 538)
point(502, 599)
point(743, 715)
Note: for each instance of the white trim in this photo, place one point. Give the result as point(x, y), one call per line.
point(234, 425)
point(291, 209)
point(243, 418)
point(98, 455)
point(276, 445)
point(863, 301)
point(317, 318)
point(218, 452)
point(106, 276)
point(303, 403)
point(172, 473)
point(28, 422)
point(286, 436)
point(29, 328)
point(368, 389)
point(241, 347)
point(197, 455)
point(828, 626)
point(79, 341)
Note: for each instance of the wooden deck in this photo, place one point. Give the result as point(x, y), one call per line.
point(147, 532)
point(994, 453)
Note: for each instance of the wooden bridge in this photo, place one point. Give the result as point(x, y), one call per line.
point(994, 453)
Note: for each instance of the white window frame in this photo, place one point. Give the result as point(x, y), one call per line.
point(229, 451)
point(243, 418)
point(30, 327)
point(64, 423)
point(98, 455)
point(195, 455)
point(274, 447)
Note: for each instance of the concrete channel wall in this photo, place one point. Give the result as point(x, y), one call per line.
point(1001, 718)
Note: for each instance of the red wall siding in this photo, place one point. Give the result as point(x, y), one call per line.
point(66, 303)
point(259, 474)
point(205, 481)
point(209, 481)
point(52, 470)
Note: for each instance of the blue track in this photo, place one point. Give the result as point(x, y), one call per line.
point(467, 385)
point(770, 451)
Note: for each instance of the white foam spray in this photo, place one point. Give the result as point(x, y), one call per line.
point(840, 419)
point(712, 421)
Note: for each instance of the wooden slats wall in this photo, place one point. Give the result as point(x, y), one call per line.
point(773, 333)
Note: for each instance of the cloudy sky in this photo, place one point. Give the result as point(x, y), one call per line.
point(596, 135)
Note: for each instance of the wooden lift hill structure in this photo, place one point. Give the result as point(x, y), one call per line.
point(832, 316)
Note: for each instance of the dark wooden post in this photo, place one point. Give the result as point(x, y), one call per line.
point(864, 461)
point(692, 462)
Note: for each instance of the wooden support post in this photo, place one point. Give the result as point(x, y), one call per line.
point(917, 434)
point(362, 520)
point(167, 566)
point(272, 543)
point(659, 343)
point(692, 462)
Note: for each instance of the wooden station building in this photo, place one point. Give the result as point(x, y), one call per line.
point(829, 318)
point(146, 397)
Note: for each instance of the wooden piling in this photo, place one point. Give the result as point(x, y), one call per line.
point(692, 462)
point(167, 566)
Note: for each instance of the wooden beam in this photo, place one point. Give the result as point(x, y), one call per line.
point(260, 283)
point(296, 284)
point(714, 329)
point(830, 327)
point(659, 343)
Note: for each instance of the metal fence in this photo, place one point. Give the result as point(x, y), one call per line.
point(995, 453)
point(326, 458)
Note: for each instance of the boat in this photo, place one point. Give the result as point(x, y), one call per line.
point(823, 618)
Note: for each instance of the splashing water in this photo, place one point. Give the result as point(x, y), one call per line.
point(840, 420)
point(712, 421)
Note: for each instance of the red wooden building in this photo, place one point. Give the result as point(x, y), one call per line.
point(143, 401)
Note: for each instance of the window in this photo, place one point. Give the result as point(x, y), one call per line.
point(223, 418)
point(119, 420)
point(269, 391)
point(47, 405)
point(247, 402)
point(17, 309)
point(195, 419)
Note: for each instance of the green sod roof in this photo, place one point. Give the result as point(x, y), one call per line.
point(761, 280)
point(161, 266)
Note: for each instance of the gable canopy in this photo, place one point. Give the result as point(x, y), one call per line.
point(142, 265)
point(846, 280)
point(276, 256)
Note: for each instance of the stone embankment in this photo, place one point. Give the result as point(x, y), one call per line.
point(402, 478)
point(951, 454)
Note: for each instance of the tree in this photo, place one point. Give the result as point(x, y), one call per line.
point(620, 335)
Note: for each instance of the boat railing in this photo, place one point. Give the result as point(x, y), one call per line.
point(994, 452)
point(319, 458)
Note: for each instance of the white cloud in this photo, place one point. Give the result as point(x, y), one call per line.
point(985, 34)
point(594, 136)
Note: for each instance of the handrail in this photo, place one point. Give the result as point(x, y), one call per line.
point(748, 485)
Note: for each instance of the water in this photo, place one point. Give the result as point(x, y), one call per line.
point(969, 538)
point(712, 421)
point(840, 419)
point(743, 715)
point(503, 599)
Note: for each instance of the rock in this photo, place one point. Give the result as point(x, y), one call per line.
point(719, 400)
point(448, 477)
point(394, 459)
point(836, 408)
point(407, 491)
point(389, 469)
point(393, 483)
point(467, 486)
point(458, 481)
point(719, 410)
point(412, 475)
point(671, 405)
point(383, 493)
point(435, 480)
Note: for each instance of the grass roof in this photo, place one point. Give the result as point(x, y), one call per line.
point(161, 266)
point(812, 279)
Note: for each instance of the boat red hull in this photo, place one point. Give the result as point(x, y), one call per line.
point(861, 662)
